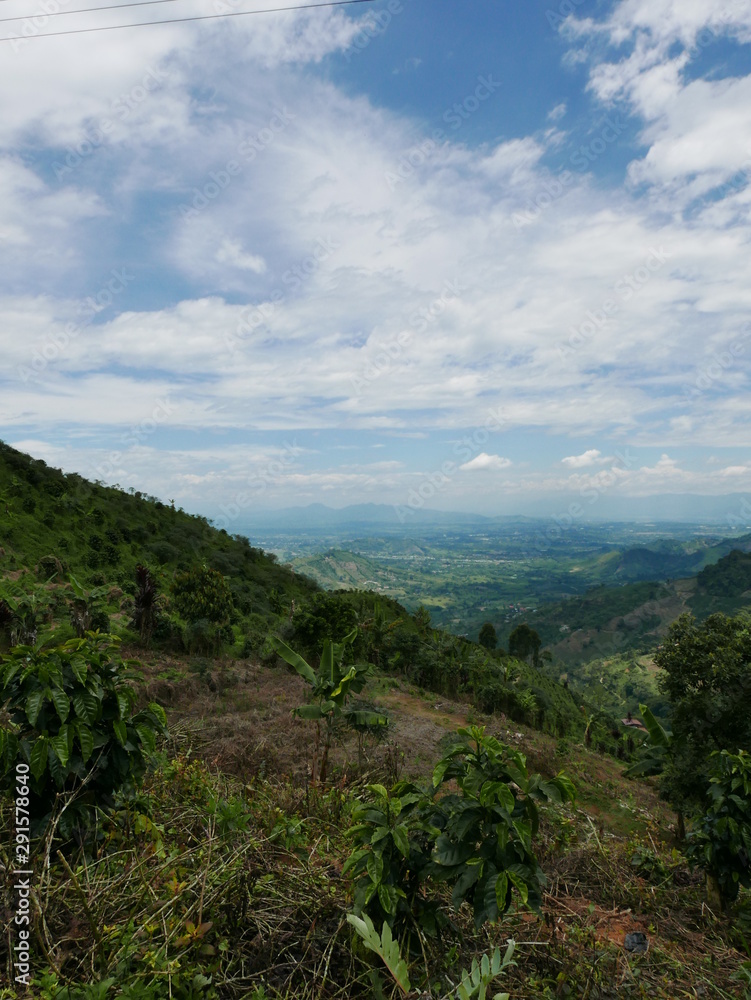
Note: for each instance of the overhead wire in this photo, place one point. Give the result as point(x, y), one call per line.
point(171, 20)
point(84, 10)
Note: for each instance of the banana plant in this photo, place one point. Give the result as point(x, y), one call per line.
point(331, 686)
point(654, 757)
point(656, 751)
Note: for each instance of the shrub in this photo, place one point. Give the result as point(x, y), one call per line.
point(478, 840)
point(202, 593)
point(72, 722)
point(202, 597)
point(721, 841)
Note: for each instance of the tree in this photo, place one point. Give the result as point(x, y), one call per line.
point(202, 597)
point(706, 675)
point(525, 642)
point(488, 636)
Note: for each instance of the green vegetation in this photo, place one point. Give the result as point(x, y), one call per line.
point(331, 688)
point(477, 841)
point(71, 721)
point(721, 840)
point(209, 861)
point(730, 577)
point(706, 676)
point(56, 524)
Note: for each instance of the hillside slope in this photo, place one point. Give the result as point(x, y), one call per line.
point(56, 524)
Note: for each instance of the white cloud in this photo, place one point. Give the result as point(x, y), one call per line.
point(315, 292)
point(590, 457)
point(231, 252)
point(485, 461)
point(558, 112)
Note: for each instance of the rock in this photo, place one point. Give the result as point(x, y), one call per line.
point(636, 942)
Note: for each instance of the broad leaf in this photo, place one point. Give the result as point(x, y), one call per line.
point(61, 744)
point(86, 706)
point(450, 854)
point(401, 839)
point(61, 702)
point(123, 704)
point(147, 737)
point(38, 761)
point(294, 659)
point(657, 735)
point(86, 740)
point(309, 712)
point(34, 705)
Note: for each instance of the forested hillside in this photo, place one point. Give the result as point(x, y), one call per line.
point(241, 786)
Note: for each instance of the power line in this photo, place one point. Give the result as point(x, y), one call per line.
point(173, 20)
point(86, 10)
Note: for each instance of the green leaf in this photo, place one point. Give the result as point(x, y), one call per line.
point(379, 834)
point(61, 744)
point(499, 791)
point(387, 896)
point(521, 886)
point(439, 771)
point(401, 839)
point(375, 866)
point(146, 735)
point(657, 735)
point(448, 853)
point(61, 703)
point(501, 892)
point(121, 731)
point(86, 740)
point(464, 883)
point(38, 761)
point(310, 712)
point(294, 659)
point(79, 667)
point(385, 947)
point(34, 705)
point(85, 705)
point(159, 712)
point(123, 704)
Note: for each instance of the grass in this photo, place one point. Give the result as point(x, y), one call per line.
point(206, 885)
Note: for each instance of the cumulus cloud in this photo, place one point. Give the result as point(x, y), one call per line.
point(485, 461)
point(335, 279)
point(590, 457)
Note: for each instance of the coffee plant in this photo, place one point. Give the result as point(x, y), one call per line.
point(72, 722)
point(477, 839)
point(720, 842)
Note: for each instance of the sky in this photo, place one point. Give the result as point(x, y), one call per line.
point(461, 254)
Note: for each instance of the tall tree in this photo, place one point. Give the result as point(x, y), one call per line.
point(488, 636)
point(524, 643)
point(706, 674)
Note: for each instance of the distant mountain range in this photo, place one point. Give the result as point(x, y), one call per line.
point(731, 511)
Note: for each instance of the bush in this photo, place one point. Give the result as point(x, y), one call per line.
point(721, 841)
point(72, 722)
point(202, 594)
point(477, 839)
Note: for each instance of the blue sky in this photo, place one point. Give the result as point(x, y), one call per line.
point(495, 252)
